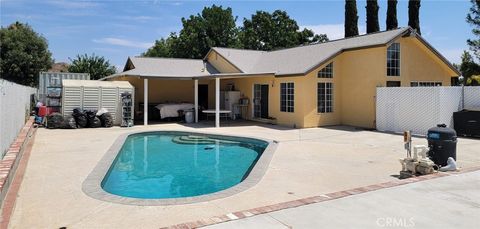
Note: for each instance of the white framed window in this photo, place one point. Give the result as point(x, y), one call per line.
point(425, 84)
point(325, 97)
point(287, 91)
point(393, 60)
point(326, 72)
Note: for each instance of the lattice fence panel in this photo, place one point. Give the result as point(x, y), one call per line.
point(416, 108)
point(472, 97)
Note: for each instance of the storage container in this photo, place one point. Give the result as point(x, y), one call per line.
point(52, 80)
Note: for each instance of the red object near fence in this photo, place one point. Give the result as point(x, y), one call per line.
point(43, 111)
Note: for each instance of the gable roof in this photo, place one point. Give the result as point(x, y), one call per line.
point(242, 59)
point(290, 61)
point(301, 60)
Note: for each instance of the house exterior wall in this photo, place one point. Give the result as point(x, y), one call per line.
point(245, 86)
point(356, 75)
point(361, 72)
point(421, 64)
point(311, 115)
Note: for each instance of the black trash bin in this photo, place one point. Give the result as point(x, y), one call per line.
point(467, 123)
point(443, 144)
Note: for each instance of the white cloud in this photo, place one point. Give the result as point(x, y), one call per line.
point(19, 16)
point(169, 2)
point(333, 31)
point(123, 42)
point(73, 4)
point(140, 18)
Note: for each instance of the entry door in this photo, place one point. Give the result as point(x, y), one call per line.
point(260, 101)
point(203, 95)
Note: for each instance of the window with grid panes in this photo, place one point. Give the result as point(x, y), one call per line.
point(325, 97)
point(326, 72)
point(393, 60)
point(287, 91)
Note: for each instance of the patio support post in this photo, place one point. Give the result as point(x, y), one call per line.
point(217, 102)
point(145, 101)
point(196, 100)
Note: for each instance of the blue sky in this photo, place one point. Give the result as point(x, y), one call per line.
point(117, 29)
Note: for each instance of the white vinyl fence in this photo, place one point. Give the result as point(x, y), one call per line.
point(14, 111)
point(420, 108)
point(472, 97)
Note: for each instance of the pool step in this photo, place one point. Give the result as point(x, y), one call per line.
point(199, 140)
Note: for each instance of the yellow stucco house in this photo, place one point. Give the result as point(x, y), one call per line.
point(331, 83)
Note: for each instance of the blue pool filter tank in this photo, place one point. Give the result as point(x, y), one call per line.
point(442, 142)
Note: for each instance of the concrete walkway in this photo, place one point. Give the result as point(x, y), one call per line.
point(446, 202)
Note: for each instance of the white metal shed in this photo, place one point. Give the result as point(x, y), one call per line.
point(94, 94)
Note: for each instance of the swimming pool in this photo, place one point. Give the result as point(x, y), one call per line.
point(167, 164)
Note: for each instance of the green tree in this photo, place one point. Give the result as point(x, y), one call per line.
point(469, 67)
point(414, 15)
point(214, 27)
point(351, 18)
point(392, 22)
point(24, 54)
point(372, 16)
point(162, 47)
point(270, 31)
point(97, 66)
point(473, 18)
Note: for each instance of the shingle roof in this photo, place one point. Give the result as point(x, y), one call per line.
point(299, 60)
point(243, 59)
point(167, 67)
point(290, 61)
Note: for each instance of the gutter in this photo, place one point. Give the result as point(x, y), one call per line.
point(221, 75)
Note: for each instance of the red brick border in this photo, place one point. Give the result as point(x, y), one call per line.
point(9, 164)
point(310, 200)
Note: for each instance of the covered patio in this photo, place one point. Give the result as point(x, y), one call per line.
point(163, 80)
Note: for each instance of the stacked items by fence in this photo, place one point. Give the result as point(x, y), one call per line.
point(80, 119)
point(420, 108)
point(14, 111)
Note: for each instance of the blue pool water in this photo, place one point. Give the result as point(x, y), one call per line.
point(160, 165)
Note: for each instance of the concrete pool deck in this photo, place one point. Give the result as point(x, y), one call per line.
point(307, 162)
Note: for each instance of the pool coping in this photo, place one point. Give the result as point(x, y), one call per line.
point(92, 184)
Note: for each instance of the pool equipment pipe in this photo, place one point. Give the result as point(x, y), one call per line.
point(451, 165)
point(419, 163)
point(407, 139)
